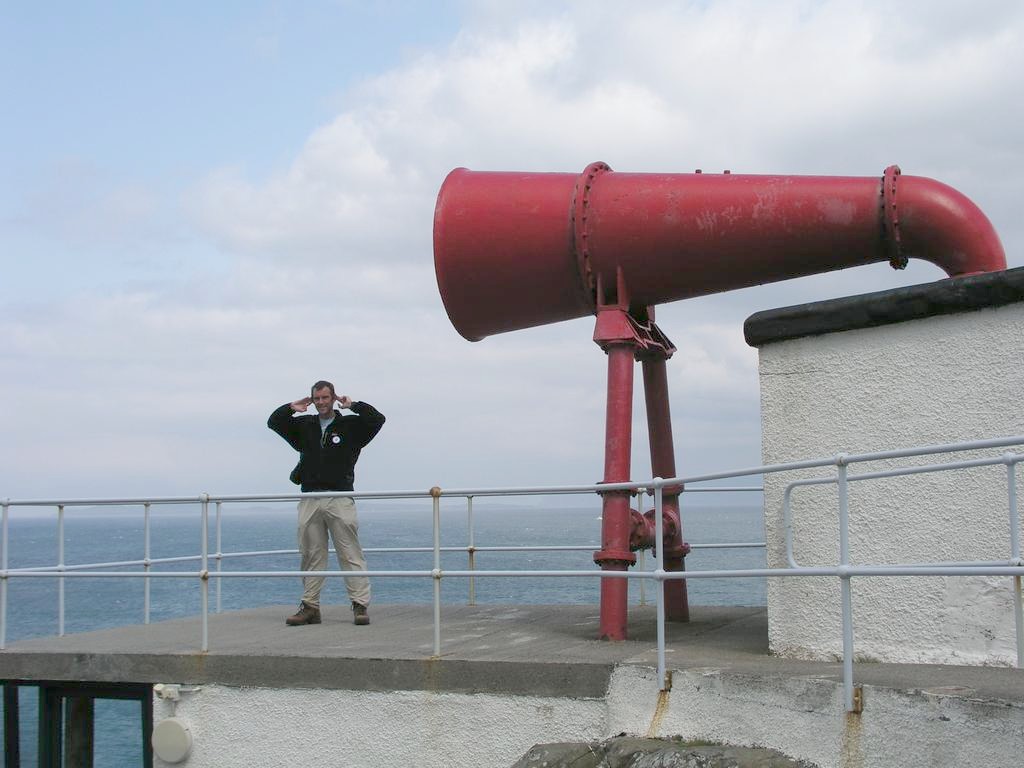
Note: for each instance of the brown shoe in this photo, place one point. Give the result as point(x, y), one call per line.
point(307, 614)
point(359, 615)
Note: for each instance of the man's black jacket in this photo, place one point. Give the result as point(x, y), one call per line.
point(327, 461)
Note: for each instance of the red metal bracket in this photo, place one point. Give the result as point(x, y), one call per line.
point(617, 326)
point(891, 219)
point(580, 209)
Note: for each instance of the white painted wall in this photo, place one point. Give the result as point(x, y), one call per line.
point(264, 727)
point(804, 718)
point(937, 380)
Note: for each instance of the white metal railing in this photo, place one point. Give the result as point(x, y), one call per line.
point(89, 570)
point(844, 571)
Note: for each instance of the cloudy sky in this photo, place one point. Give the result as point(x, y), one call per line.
point(206, 206)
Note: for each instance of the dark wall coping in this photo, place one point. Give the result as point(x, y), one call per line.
point(869, 310)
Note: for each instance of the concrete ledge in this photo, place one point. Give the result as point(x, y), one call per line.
point(512, 676)
point(944, 297)
point(546, 650)
point(582, 680)
point(508, 650)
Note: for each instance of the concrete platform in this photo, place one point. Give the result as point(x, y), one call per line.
point(501, 649)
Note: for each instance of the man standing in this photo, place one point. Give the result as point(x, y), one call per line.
point(328, 446)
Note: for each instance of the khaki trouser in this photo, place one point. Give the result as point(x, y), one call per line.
point(317, 517)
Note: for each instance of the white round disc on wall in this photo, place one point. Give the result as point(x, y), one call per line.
point(172, 740)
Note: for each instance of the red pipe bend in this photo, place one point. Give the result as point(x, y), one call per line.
point(517, 250)
point(941, 225)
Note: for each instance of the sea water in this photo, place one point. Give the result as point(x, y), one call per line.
point(97, 535)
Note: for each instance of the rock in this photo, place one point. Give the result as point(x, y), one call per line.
point(577, 754)
point(634, 752)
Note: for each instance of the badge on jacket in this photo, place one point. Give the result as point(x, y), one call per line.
point(335, 439)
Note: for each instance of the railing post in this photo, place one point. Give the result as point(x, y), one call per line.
point(659, 568)
point(844, 580)
point(204, 573)
point(79, 728)
point(145, 561)
point(471, 550)
point(3, 578)
point(435, 494)
point(217, 555)
point(1018, 611)
point(12, 727)
point(787, 521)
point(641, 565)
point(60, 567)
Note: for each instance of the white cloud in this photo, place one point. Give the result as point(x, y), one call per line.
point(330, 257)
point(713, 360)
point(786, 87)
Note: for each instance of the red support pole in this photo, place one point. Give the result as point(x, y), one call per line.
point(663, 464)
point(615, 518)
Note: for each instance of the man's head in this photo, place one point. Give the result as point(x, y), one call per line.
point(323, 397)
